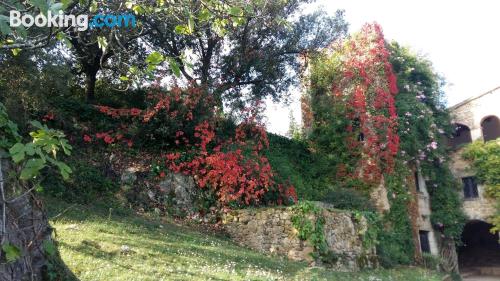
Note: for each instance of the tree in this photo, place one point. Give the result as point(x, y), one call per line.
point(239, 51)
point(26, 237)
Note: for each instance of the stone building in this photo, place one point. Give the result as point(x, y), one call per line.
point(426, 235)
point(476, 118)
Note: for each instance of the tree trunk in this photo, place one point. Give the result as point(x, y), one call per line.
point(449, 258)
point(23, 225)
point(90, 80)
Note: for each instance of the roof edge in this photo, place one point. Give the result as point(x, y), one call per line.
point(472, 98)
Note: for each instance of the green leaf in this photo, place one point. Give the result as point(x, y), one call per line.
point(93, 7)
point(102, 42)
point(155, 58)
point(124, 78)
point(17, 152)
point(204, 14)
point(16, 51)
point(21, 31)
point(174, 67)
point(56, 7)
point(181, 29)
point(4, 25)
point(29, 149)
point(12, 253)
point(64, 169)
point(49, 247)
point(32, 168)
point(138, 9)
point(190, 25)
point(40, 4)
point(235, 11)
point(65, 4)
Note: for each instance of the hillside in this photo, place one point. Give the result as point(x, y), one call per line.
point(101, 244)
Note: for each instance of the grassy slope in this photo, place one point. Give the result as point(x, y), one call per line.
point(90, 242)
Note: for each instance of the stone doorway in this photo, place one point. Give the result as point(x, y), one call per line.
point(480, 247)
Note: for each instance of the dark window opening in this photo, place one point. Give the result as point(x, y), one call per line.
point(461, 136)
point(417, 184)
point(470, 187)
point(491, 128)
point(361, 137)
point(424, 241)
point(430, 185)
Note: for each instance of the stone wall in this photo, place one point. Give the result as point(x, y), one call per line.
point(270, 230)
point(471, 113)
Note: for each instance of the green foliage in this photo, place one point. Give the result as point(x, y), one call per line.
point(446, 206)
point(41, 152)
point(49, 247)
point(12, 252)
point(27, 88)
point(33, 157)
point(309, 221)
point(431, 261)
point(396, 238)
point(348, 199)
point(88, 183)
point(8, 129)
point(371, 235)
point(485, 160)
point(293, 162)
point(422, 114)
point(424, 124)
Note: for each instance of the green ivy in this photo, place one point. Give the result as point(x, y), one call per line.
point(424, 123)
point(309, 221)
point(396, 244)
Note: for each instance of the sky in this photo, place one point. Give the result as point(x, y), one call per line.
point(460, 38)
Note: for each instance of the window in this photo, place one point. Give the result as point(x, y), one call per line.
point(361, 137)
point(417, 184)
point(461, 136)
point(491, 128)
point(424, 241)
point(470, 187)
point(430, 185)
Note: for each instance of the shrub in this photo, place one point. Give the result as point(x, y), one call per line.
point(87, 184)
point(431, 261)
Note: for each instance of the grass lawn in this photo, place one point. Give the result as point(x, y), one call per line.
point(99, 245)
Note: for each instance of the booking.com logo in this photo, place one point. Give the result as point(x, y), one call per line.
point(80, 22)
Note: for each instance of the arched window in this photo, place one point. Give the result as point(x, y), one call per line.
point(461, 136)
point(491, 128)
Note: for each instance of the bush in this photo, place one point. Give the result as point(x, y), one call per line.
point(390, 252)
point(87, 184)
point(431, 261)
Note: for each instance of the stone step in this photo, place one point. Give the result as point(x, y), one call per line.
point(490, 270)
point(469, 272)
point(484, 270)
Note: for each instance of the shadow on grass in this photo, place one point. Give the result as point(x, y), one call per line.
point(169, 241)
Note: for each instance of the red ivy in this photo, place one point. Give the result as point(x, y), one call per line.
point(370, 102)
point(234, 168)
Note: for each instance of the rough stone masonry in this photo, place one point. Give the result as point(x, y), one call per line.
point(270, 230)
